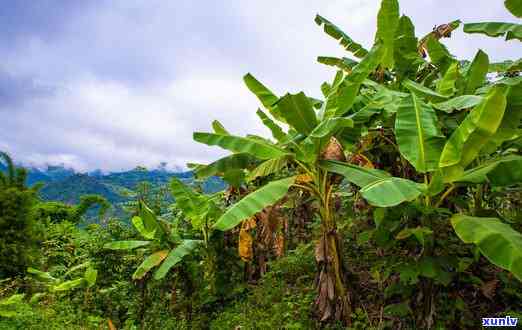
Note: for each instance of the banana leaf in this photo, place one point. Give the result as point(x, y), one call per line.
point(407, 58)
point(497, 241)
point(471, 136)
point(253, 203)
point(277, 131)
point(219, 128)
point(418, 135)
point(458, 103)
point(255, 147)
point(446, 85)
point(137, 222)
point(357, 175)
point(267, 167)
point(387, 23)
point(125, 245)
point(356, 49)
point(267, 98)
point(68, 285)
point(504, 171)
point(343, 97)
point(423, 91)
point(298, 112)
point(476, 75)
point(496, 29)
point(514, 6)
point(175, 256)
point(220, 166)
point(150, 262)
point(391, 191)
point(343, 63)
point(90, 276)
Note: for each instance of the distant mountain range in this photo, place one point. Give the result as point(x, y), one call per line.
point(67, 185)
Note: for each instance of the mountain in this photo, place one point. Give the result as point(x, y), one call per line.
point(51, 174)
point(70, 189)
point(66, 185)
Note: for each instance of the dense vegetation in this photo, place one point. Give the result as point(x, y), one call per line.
point(394, 201)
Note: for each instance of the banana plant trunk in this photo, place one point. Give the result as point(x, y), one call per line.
point(333, 297)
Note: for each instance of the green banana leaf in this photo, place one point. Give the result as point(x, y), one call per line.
point(42, 276)
point(175, 256)
point(514, 6)
point(422, 91)
point(497, 241)
point(391, 191)
point(298, 112)
point(267, 167)
point(504, 171)
point(510, 127)
point(507, 173)
point(219, 128)
point(90, 276)
point(471, 136)
point(439, 54)
point(356, 49)
point(496, 29)
point(506, 66)
point(343, 63)
point(384, 99)
point(446, 85)
point(418, 135)
point(75, 268)
point(150, 262)
point(357, 175)
point(343, 98)
point(137, 222)
point(222, 165)
point(125, 245)
point(193, 204)
point(255, 147)
point(277, 131)
point(387, 23)
point(476, 75)
point(458, 103)
point(150, 222)
point(68, 285)
point(265, 96)
point(321, 135)
point(407, 58)
point(253, 203)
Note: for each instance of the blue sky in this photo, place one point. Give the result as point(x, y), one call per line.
point(115, 84)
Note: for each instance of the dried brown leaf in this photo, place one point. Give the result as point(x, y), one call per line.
point(488, 288)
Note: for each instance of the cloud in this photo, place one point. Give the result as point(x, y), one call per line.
point(115, 84)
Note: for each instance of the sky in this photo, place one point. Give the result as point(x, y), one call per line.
point(115, 84)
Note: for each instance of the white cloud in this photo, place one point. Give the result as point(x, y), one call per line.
point(133, 80)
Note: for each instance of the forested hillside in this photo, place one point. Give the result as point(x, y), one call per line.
point(392, 201)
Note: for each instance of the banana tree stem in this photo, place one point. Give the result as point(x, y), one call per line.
point(443, 197)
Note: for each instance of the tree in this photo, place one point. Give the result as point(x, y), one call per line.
point(18, 234)
point(58, 212)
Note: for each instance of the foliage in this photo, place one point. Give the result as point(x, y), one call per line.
point(19, 231)
point(393, 201)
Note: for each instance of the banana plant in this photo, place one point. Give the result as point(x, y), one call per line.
point(62, 284)
point(159, 239)
point(484, 118)
point(315, 128)
point(417, 104)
